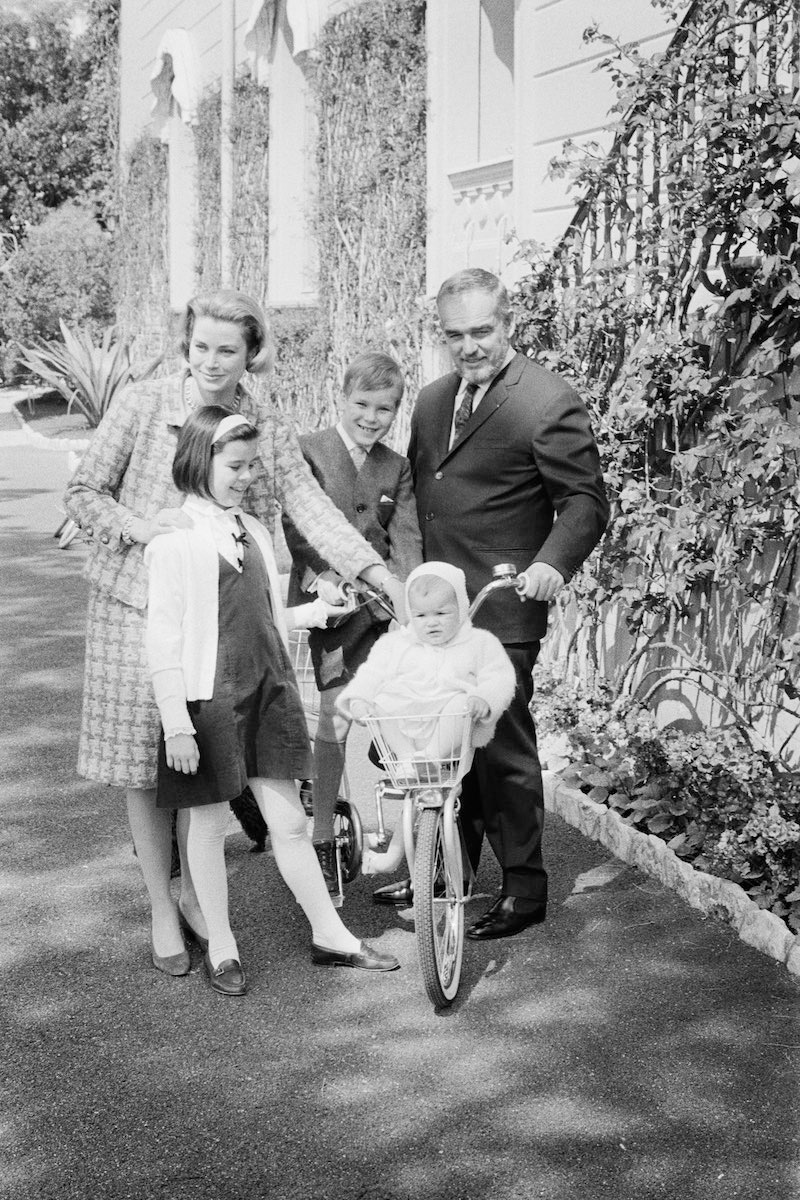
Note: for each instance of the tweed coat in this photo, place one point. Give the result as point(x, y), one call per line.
point(127, 470)
point(521, 483)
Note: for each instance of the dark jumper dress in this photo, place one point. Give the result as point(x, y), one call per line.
point(254, 724)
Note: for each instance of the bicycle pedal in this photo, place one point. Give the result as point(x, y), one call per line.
point(393, 793)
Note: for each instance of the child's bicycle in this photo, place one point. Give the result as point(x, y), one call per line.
point(348, 834)
point(430, 790)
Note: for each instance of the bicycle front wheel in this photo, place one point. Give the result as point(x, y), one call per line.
point(439, 907)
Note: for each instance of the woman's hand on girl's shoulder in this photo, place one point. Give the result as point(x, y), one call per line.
point(165, 521)
point(182, 753)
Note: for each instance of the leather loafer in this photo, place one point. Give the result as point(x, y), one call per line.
point(228, 978)
point(191, 933)
point(172, 964)
point(366, 957)
point(504, 919)
point(400, 895)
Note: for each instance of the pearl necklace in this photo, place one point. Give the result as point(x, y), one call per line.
point(191, 405)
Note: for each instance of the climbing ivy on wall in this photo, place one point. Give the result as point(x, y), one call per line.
point(695, 406)
point(249, 227)
point(371, 219)
point(143, 302)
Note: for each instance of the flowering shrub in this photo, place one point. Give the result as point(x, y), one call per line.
point(716, 801)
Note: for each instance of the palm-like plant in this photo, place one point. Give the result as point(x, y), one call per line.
point(88, 376)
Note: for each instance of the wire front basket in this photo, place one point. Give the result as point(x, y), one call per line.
point(416, 750)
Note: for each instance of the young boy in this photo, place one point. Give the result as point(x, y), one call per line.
point(371, 485)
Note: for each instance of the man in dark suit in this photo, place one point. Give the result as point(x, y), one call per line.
point(505, 470)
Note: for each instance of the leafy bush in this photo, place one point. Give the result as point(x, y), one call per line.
point(717, 802)
point(86, 375)
point(63, 270)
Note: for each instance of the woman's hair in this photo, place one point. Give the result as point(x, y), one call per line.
point(191, 467)
point(242, 310)
point(373, 371)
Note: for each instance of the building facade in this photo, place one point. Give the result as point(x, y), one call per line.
point(508, 82)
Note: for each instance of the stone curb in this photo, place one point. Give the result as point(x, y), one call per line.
point(719, 898)
point(42, 440)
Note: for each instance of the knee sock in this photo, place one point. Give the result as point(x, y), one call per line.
point(328, 767)
point(297, 862)
point(205, 846)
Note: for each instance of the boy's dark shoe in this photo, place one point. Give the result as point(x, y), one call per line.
point(326, 854)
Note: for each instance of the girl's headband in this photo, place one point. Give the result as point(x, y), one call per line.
point(229, 423)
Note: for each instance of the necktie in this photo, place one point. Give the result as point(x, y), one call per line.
point(359, 456)
point(464, 409)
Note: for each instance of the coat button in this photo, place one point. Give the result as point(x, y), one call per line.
point(360, 507)
point(428, 516)
point(439, 475)
point(104, 538)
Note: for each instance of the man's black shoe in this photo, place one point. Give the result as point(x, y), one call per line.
point(400, 895)
point(504, 920)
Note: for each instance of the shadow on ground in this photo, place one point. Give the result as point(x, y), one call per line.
point(628, 1048)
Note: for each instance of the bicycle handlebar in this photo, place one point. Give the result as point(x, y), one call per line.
point(504, 576)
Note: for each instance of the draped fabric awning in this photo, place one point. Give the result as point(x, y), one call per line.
point(305, 19)
point(175, 77)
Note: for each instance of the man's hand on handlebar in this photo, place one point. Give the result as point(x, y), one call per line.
point(541, 582)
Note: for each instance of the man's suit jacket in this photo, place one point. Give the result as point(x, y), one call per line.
point(521, 483)
point(378, 500)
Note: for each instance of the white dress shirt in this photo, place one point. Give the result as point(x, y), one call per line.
point(479, 393)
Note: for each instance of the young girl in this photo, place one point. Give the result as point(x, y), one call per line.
point(223, 682)
point(426, 675)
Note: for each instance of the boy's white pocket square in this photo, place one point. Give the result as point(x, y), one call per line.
point(386, 499)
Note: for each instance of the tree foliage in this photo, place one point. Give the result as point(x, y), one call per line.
point(58, 105)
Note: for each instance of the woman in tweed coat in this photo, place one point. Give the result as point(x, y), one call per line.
point(122, 496)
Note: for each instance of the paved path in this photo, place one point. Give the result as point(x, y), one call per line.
point(626, 1050)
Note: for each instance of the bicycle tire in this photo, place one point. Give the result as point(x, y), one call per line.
point(349, 836)
point(438, 908)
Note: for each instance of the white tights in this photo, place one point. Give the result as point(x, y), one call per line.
point(295, 857)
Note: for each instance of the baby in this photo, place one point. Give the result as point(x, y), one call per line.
point(424, 677)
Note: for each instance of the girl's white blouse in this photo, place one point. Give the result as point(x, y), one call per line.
point(183, 594)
